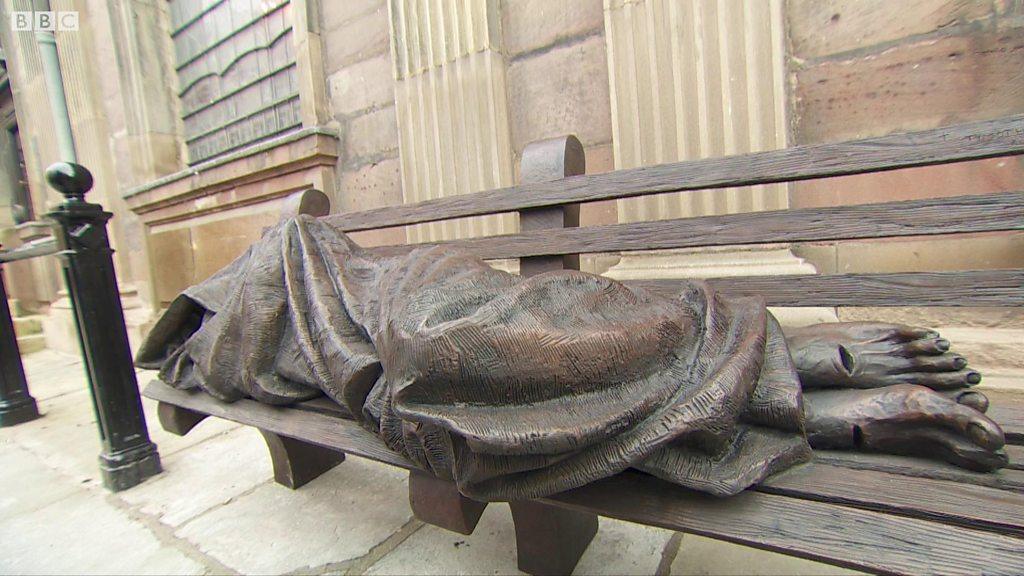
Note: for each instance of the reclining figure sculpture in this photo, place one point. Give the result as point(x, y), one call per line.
point(519, 388)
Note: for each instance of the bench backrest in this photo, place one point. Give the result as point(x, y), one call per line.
point(957, 215)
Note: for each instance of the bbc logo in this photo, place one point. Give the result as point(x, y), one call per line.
point(44, 21)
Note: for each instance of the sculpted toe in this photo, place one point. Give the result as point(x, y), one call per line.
point(927, 346)
point(943, 363)
point(969, 398)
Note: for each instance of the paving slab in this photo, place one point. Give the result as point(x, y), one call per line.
point(618, 548)
point(624, 548)
point(28, 484)
point(85, 534)
point(339, 517)
point(209, 475)
point(50, 374)
point(703, 556)
point(65, 438)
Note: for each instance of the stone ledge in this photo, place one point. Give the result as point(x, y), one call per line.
point(262, 172)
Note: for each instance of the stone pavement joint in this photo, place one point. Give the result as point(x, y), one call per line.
point(668, 554)
point(359, 566)
point(165, 535)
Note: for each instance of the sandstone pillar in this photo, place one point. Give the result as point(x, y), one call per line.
point(451, 107)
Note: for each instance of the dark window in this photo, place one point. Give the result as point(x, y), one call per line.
point(236, 73)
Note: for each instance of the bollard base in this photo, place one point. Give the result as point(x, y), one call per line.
point(130, 467)
point(18, 411)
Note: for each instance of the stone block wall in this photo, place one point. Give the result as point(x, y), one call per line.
point(556, 83)
point(861, 68)
point(361, 93)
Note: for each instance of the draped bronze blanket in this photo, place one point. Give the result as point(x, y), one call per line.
point(514, 388)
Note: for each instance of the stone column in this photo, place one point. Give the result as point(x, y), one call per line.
point(451, 106)
point(696, 79)
point(313, 104)
point(39, 146)
point(144, 126)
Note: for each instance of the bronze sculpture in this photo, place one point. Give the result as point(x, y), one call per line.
point(519, 388)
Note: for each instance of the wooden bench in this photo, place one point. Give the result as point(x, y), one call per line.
point(883, 514)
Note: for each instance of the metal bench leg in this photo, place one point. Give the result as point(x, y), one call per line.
point(177, 420)
point(438, 502)
point(550, 540)
point(296, 463)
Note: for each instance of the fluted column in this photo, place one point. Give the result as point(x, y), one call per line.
point(696, 79)
point(452, 110)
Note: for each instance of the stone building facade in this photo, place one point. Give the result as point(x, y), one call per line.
point(198, 117)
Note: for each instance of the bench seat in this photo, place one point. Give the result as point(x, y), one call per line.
point(883, 514)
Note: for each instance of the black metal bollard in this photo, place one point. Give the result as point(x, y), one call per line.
point(128, 456)
point(16, 404)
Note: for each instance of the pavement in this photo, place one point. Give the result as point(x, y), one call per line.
point(216, 510)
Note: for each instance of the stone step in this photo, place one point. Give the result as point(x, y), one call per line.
point(31, 343)
point(28, 325)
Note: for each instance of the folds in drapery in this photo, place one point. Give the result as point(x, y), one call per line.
point(513, 388)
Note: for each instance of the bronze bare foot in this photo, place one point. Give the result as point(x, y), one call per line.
point(905, 419)
point(875, 354)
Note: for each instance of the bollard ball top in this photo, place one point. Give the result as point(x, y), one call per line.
point(71, 180)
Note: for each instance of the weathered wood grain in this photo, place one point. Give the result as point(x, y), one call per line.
point(818, 516)
point(545, 161)
point(999, 137)
point(1007, 408)
point(964, 288)
point(1006, 479)
point(981, 213)
point(836, 534)
point(313, 427)
point(1016, 455)
point(957, 503)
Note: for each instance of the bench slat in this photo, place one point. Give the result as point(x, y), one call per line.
point(963, 288)
point(1007, 408)
point(954, 502)
point(961, 214)
point(1007, 479)
point(787, 516)
point(986, 139)
point(1016, 454)
point(315, 427)
point(836, 534)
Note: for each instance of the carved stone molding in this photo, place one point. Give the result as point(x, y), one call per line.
point(264, 172)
